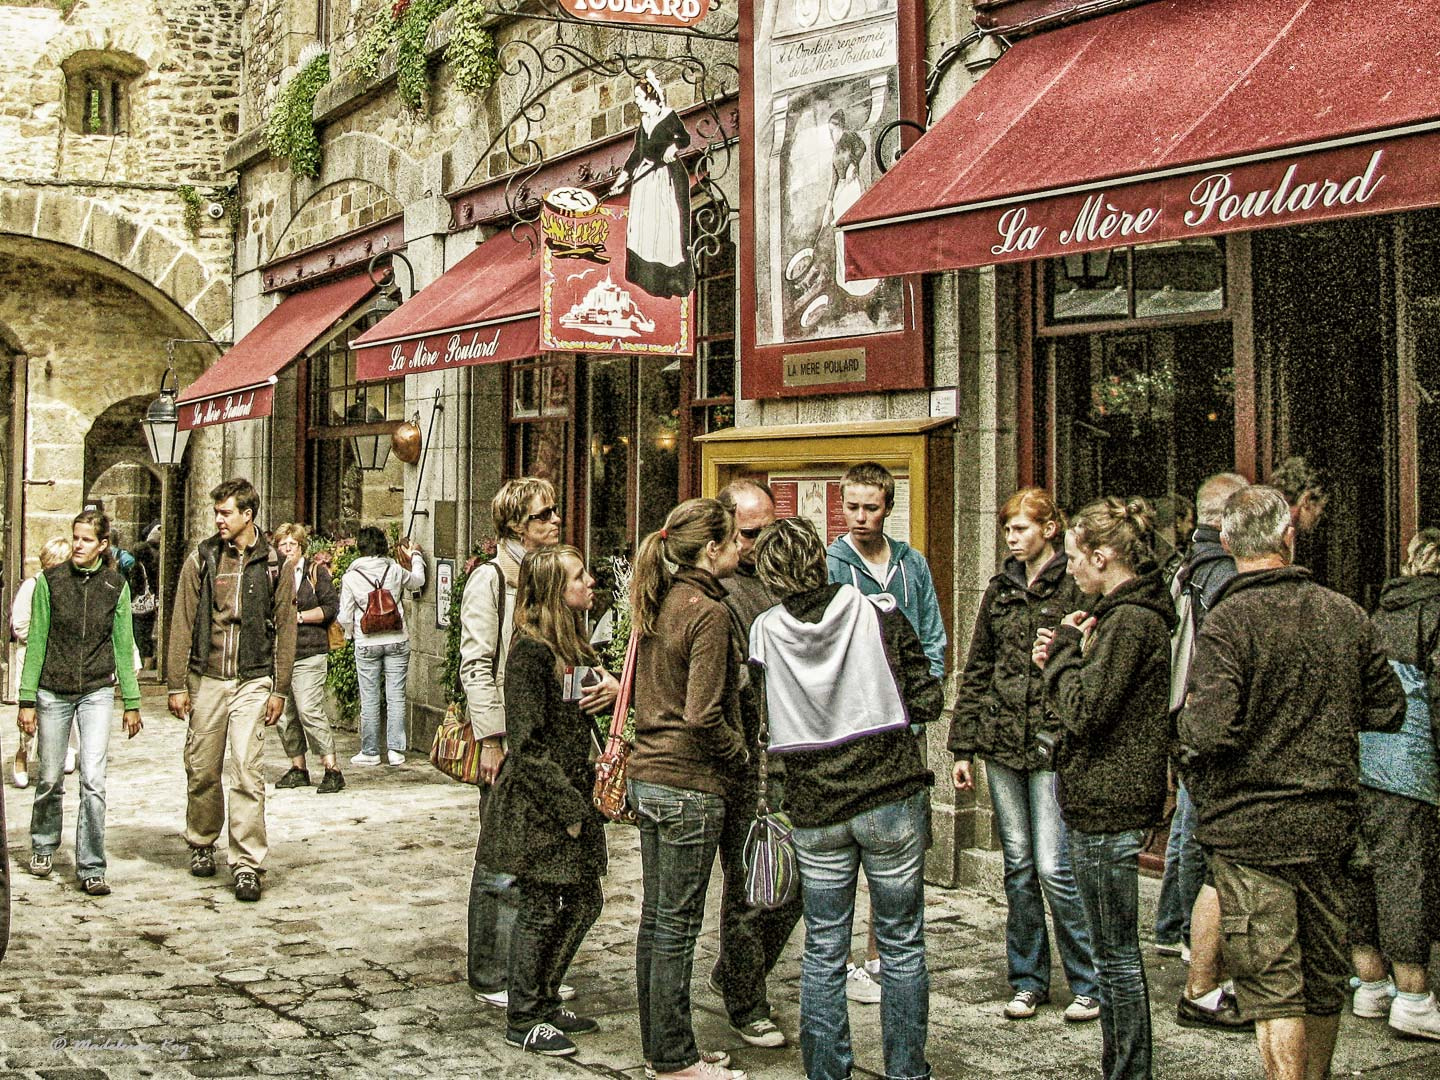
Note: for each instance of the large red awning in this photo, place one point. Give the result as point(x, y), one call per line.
point(241, 384)
point(484, 309)
point(1176, 118)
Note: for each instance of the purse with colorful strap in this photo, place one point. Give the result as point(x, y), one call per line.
point(610, 797)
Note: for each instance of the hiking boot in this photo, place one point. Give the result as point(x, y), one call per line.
point(571, 1024)
point(202, 861)
point(295, 777)
point(541, 1039)
point(41, 865)
point(247, 886)
point(332, 782)
point(1023, 1005)
point(95, 886)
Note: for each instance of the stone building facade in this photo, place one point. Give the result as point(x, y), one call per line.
point(108, 109)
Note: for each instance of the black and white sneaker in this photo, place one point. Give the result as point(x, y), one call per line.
point(571, 1024)
point(542, 1039)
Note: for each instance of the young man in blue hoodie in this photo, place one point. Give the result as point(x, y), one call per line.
point(874, 563)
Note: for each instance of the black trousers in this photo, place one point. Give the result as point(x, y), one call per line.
point(751, 940)
point(550, 922)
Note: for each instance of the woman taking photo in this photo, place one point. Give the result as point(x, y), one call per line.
point(539, 823)
point(382, 658)
point(304, 720)
point(80, 641)
point(1107, 678)
point(999, 710)
point(845, 678)
point(689, 750)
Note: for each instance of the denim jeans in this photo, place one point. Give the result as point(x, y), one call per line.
point(1184, 873)
point(91, 714)
point(551, 923)
point(1107, 870)
point(889, 841)
point(679, 835)
point(1037, 869)
point(751, 939)
point(490, 920)
point(381, 671)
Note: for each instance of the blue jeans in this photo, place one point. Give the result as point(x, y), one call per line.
point(91, 714)
point(1107, 870)
point(889, 841)
point(494, 899)
point(381, 670)
point(1037, 869)
point(1184, 874)
point(679, 835)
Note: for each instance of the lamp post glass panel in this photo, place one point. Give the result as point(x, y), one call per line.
point(162, 430)
point(372, 451)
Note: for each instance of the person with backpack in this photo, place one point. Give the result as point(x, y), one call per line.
point(229, 661)
point(846, 676)
point(372, 617)
point(999, 715)
point(316, 606)
point(1398, 882)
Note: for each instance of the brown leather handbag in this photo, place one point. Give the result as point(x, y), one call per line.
point(610, 768)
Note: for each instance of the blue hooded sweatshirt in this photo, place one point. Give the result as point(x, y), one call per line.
point(909, 582)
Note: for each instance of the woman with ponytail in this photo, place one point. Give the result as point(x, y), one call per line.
point(689, 750)
point(1107, 679)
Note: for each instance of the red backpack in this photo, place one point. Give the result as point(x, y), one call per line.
point(382, 614)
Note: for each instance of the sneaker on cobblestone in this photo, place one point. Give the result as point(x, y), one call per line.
point(295, 777)
point(498, 999)
point(247, 886)
point(41, 865)
point(332, 783)
point(1168, 948)
point(565, 992)
point(1421, 1019)
point(1373, 1004)
point(1081, 1009)
point(365, 759)
point(762, 1032)
point(704, 1070)
point(95, 886)
point(859, 986)
point(719, 1058)
point(541, 1039)
point(1023, 1005)
point(202, 861)
point(395, 757)
point(571, 1024)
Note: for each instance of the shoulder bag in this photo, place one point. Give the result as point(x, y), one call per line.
point(611, 767)
point(143, 602)
point(456, 751)
point(772, 871)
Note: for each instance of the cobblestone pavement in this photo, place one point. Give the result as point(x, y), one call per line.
point(351, 964)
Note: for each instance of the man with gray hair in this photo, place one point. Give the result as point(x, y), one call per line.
point(1286, 674)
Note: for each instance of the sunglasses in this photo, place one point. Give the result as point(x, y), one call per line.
point(550, 513)
point(751, 534)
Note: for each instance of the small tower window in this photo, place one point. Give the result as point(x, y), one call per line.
point(97, 92)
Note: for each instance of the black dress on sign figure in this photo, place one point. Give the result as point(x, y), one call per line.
point(657, 244)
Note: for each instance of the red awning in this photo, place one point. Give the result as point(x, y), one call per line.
point(1176, 118)
point(484, 309)
point(241, 384)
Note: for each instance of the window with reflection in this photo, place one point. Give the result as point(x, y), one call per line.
point(1178, 277)
point(541, 404)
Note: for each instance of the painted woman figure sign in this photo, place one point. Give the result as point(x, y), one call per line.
point(618, 278)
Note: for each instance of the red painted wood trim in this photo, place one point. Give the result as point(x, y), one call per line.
point(334, 257)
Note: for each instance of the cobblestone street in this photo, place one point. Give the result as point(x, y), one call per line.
point(351, 964)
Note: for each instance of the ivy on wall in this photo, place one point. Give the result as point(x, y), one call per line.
point(403, 29)
point(291, 131)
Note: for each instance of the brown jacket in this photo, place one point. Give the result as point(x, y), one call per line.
point(687, 718)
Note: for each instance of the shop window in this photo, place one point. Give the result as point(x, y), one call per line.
point(541, 413)
point(340, 495)
point(97, 92)
point(714, 391)
point(1175, 278)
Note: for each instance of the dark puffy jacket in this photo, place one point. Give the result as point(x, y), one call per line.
point(1000, 703)
point(1112, 695)
point(1407, 627)
point(1286, 673)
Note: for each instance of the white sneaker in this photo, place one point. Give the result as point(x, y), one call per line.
point(718, 1058)
point(859, 986)
point(69, 760)
point(1184, 954)
point(500, 999)
point(365, 759)
point(22, 773)
point(1374, 1004)
point(1023, 1005)
point(395, 757)
point(565, 992)
point(704, 1070)
point(1082, 1009)
point(1411, 1019)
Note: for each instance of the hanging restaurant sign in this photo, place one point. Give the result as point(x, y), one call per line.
point(681, 13)
point(599, 292)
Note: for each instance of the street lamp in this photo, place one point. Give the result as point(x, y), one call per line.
point(162, 421)
point(371, 451)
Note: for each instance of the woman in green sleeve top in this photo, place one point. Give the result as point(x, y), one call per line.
point(80, 641)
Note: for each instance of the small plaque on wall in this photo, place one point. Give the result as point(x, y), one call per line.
point(831, 366)
point(444, 584)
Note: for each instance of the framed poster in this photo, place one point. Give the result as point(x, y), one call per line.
point(444, 584)
point(823, 81)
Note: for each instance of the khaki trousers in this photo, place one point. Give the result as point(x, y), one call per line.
point(304, 716)
point(227, 711)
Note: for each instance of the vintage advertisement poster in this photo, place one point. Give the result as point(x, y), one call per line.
point(815, 494)
point(826, 94)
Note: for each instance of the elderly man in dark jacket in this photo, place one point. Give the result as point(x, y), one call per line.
point(1286, 673)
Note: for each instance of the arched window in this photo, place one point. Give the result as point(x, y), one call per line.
point(97, 92)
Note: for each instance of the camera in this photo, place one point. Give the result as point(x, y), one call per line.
point(215, 211)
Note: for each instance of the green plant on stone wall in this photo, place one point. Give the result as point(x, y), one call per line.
point(291, 131)
point(450, 676)
point(471, 52)
point(340, 674)
point(403, 28)
point(191, 214)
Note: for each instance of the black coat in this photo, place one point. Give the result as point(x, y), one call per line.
point(1000, 703)
point(316, 590)
point(1286, 674)
point(1112, 695)
point(546, 782)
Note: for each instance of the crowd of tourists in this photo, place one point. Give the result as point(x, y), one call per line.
point(1105, 670)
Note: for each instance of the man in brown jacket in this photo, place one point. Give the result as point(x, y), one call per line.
point(231, 651)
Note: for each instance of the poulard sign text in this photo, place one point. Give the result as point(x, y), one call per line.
point(682, 13)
